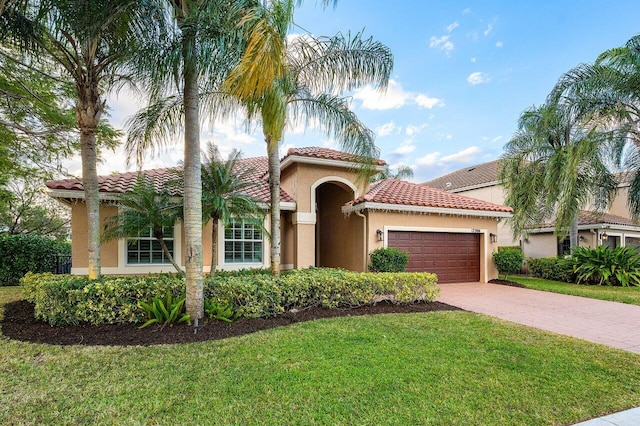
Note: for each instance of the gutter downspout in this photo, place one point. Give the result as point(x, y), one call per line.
point(364, 240)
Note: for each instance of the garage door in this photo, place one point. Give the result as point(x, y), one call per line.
point(453, 257)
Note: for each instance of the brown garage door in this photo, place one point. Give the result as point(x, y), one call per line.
point(453, 257)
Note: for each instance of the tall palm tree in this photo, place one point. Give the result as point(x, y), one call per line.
point(207, 42)
point(142, 208)
point(225, 194)
point(314, 70)
point(556, 165)
point(609, 92)
point(92, 42)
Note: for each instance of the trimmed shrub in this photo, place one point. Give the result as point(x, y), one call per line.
point(388, 260)
point(72, 299)
point(551, 268)
point(602, 265)
point(20, 254)
point(508, 260)
point(67, 299)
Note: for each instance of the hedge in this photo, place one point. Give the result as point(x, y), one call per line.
point(20, 254)
point(67, 299)
point(551, 268)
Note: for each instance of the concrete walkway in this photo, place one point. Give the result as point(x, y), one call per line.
point(609, 323)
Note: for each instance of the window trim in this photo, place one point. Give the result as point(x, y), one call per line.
point(151, 239)
point(223, 252)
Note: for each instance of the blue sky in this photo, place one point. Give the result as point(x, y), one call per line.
point(463, 73)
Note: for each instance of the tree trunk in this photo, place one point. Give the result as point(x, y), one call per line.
point(89, 109)
point(274, 188)
point(192, 179)
point(573, 235)
point(167, 253)
point(214, 245)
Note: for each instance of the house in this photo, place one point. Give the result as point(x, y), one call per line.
point(613, 228)
point(330, 217)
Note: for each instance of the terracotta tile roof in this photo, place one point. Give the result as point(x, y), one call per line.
point(122, 182)
point(394, 191)
point(587, 217)
point(466, 177)
point(327, 154)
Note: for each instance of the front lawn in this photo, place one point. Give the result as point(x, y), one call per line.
point(630, 295)
point(437, 368)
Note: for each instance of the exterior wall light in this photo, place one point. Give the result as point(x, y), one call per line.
point(380, 235)
point(493, 237)
point(605, 236)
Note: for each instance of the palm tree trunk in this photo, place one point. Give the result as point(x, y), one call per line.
point(89, 109)
point(274, 189)
point(214, 244)
point(192, 180)
point(573, 235)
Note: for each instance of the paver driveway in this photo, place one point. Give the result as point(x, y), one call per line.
point(610, 323)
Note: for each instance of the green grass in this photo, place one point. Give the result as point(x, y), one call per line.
point(442, 368)
point(630, 295)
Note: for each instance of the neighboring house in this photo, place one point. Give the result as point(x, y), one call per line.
point(330, 217)
point(613, 228)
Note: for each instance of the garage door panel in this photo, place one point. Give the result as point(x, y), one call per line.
point(453, 257)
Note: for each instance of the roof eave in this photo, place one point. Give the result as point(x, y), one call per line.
point(65, 195)
point(424, 210)
point(289, 160)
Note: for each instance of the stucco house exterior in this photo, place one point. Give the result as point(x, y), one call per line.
point(613, 228)
point(330, 217)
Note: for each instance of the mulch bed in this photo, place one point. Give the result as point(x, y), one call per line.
point(507, 282)
point(19, 324)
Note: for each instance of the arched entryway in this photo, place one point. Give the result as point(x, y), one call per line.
point(339, 238)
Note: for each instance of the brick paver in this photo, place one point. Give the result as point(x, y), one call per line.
point(610, 323)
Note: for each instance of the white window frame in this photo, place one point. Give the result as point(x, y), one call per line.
point(169, 236)
point(242, 240)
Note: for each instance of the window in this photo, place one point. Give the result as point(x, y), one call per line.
point(633, 242)
point(145, 249)
point(242, 243)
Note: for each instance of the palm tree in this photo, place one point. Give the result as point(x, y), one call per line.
point(179, 68)
point(92, 42)
point(314, 70)
point(608, 91)
point(556, 165)
point(226, 185)
point(142, 208)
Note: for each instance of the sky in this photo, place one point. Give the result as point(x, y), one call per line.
point(463, 73)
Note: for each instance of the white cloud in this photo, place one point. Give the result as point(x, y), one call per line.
point(386, 129)
point(499, 44)
point(428, 160)
point(442, 43)
point(477, 78)
point(394, 97)
point(452, 26)
point(473, 59)
point(412, 130)
point(444, 136)
point(405, 147)
point(488, 30)
point(285, 148)
point(496, 139)
point(466, 11)
point(427, 102)
point(465, 156)
point(331, 144)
